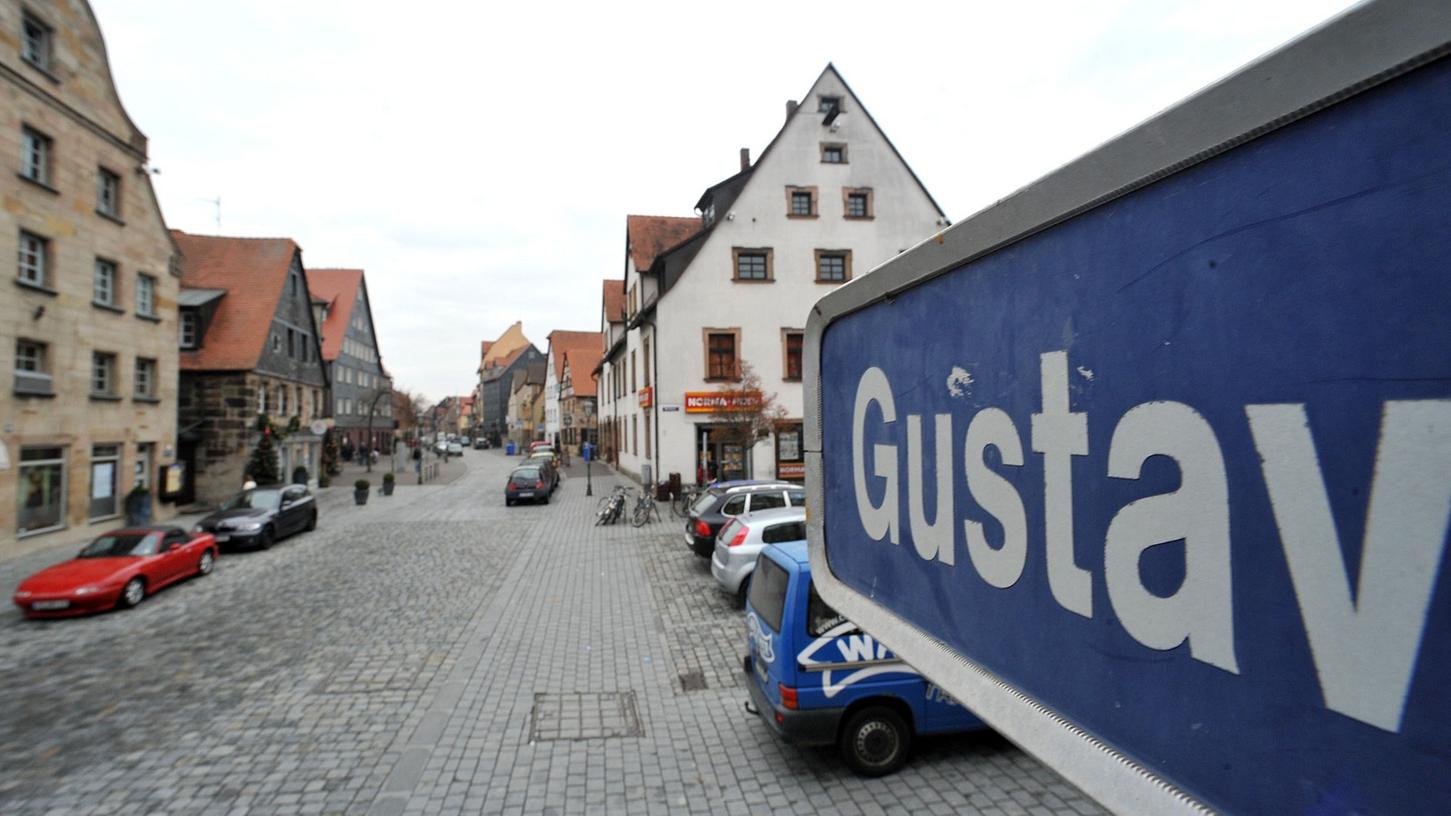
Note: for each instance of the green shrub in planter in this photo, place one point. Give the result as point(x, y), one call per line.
point(387, 484)
point(362, 484)
point(360, 491)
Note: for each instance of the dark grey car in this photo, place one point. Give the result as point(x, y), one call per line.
point(260, 516)
point(719, 505)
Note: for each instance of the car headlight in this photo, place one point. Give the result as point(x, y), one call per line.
point(88, 590)
point(22, 594)
point(250, 526)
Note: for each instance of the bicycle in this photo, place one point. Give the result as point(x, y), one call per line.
point(644, 508)
point(680, 503)
point(611, 507)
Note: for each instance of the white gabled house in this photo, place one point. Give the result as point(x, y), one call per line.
point(829, 199)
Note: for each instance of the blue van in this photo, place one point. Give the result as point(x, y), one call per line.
point(817, 679)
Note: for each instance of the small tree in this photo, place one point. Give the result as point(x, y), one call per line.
point(330, 453)
point(744, 412)
point(263, 465)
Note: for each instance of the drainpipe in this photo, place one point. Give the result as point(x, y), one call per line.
point(655, 388)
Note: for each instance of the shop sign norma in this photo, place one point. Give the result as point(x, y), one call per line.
point(714, 402)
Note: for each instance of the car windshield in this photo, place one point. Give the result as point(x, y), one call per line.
point(115, 545)
point(262, 498)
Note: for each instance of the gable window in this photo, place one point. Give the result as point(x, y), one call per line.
point(828, 104)
point(37, 42)
point(145, 378)
point(791, 344)
point(103, 288)
point(833, 265)
point(108, 193)
point(146, 296)
point(34, 255)
point(103, 374)
point(32, 368)
point(833, 153)
point(801, 202)
point(857, 203)
point(291, 341)
point(35, 155)
point(752, 264)
point(188, 327)
point(720, 354)
point(276, 343)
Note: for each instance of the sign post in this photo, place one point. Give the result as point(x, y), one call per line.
point(1147, 464)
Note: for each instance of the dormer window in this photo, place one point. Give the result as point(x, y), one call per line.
point(36, 42)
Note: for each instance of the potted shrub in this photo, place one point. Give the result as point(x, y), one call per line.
point(387, 484)
point(360, 491)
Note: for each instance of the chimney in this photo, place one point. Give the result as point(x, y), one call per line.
point(745, 158)
point(790, 107)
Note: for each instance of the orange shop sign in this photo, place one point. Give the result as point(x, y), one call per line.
point(647, 396)
point(715, 402)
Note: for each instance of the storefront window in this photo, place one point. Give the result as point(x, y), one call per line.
point(105, 459)
point(790, 460)
point(42, 490)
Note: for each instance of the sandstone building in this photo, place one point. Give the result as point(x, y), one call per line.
point(89, 320)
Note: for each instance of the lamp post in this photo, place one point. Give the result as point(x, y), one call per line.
point(372, 408)
point(589, 488)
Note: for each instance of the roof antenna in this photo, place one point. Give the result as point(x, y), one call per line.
point(216, 202)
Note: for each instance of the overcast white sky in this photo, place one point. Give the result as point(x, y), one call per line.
point(479, 159)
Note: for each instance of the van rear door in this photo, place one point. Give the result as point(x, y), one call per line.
point(767, 608)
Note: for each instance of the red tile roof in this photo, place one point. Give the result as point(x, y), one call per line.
point(339, 287)
point(562, 342)
point(582, 362)
point(614, 300)
point(647, 236)
point(253, 271)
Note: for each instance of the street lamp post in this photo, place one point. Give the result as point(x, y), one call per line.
point(372, 408)
point(589, 488)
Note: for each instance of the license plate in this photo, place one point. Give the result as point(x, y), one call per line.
point(526, 494)
point(46, 606)
point(220, 537)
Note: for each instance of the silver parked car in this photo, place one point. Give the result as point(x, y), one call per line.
point(743, 538)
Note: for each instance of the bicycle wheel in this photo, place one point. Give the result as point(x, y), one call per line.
point(641, 515)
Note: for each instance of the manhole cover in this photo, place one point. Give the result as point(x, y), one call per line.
point(692, 680)
point(583, 715)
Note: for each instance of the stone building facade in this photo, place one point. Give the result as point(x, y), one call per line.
point(361, 389)
point(88, 323)
point(250, 348)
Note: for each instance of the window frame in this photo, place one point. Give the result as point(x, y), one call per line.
point(41, 263)
point(144, 379)
point(43, 163)
point(112, 212)
point(735, 335)
point(738, 252)
point(840, 147)
point(145, 295)
point(104, 362)
point(39, 380)
point(825, 103)
point(786, 335)
point(46, 56)
point(869, 212)
point(114, 269)
point(813, 211)
point(113, 458)
point(844, 254)
point(56, 461)
point(187, 322)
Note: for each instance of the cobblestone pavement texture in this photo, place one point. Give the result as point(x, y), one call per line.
point(435, 652)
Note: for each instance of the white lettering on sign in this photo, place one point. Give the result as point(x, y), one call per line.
point(1364, 637)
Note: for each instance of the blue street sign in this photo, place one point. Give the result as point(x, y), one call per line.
point(1152, 470)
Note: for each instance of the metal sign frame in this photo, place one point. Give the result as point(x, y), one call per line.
point(1356, 51)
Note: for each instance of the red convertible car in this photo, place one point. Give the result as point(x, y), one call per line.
point(118, 569)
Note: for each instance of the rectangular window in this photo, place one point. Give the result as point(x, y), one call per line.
point(34, 259)
point(35, 155)
point(188, 327)
point(833, 266)
point(103, 374)
point(768, 592)
point(108, 193)
point(647, 436)
point(857, 203)
point(338, 408)
point(261, 398)
point(146, 295)
point(32, 367)
point(752, 264)
point(645, 358)
point(145, 378)
point(635, 434)
point(833, 153)
point(282, 400)
point(37, 42)
point(801, 202)
point(828, 104)
point(720, 353)
point(633, 386)
point(141, 468)
point(792, 344)
point(291, 343)
point(42, 490)
point(103, 290)
point(105, 461)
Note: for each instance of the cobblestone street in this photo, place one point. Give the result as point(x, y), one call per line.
point(436, 652)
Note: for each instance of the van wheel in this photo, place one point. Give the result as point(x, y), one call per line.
point(875, 741)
